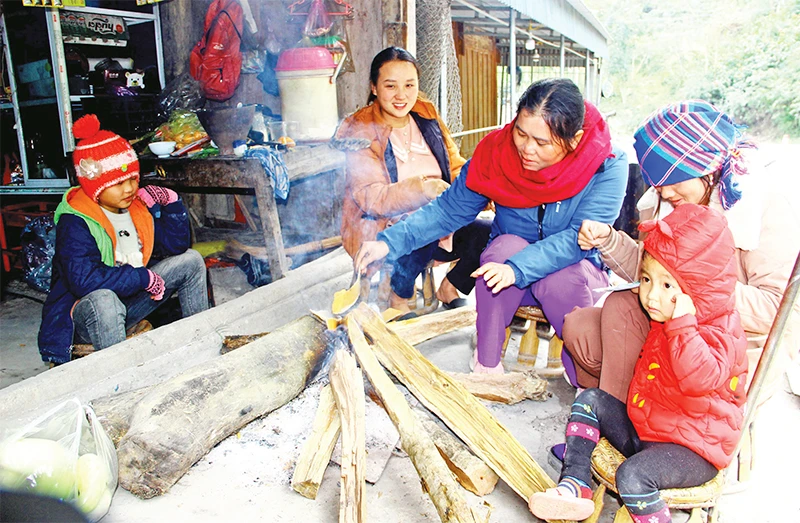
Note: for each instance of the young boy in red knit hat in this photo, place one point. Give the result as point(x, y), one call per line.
point(684, 412)
point(120, 250)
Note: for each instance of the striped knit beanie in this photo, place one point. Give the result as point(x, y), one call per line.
point(101, 158)
point(690, 140)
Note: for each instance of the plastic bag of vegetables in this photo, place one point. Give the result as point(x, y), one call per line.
point(65, 454)
point(183, 128)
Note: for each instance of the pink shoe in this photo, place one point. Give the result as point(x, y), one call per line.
point(559, 503)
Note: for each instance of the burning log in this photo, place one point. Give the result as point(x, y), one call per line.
point(457, 407)
point(317, 450)
point(437, 480)
point(347, 383)
point(175, 423)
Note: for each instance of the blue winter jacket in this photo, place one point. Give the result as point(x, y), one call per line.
point(551, 229)
point(78, 269)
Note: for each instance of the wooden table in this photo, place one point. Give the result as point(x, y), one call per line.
point(230, 174)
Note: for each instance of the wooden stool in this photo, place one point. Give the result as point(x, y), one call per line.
point(79, 350)
point(606, 460)
point(529, 344)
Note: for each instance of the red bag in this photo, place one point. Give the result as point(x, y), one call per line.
point(216, 60)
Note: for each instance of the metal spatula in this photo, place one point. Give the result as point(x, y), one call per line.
point(346, 299)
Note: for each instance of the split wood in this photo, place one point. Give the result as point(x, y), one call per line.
point(423, 328)
point(317, 450)
point(437, 480)
point(347, 383)
point(472, 473)
point(508, 388)
point(452, 403)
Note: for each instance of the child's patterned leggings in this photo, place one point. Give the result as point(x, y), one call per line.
point(649, 466)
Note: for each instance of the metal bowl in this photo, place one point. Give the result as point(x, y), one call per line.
point(227, 124)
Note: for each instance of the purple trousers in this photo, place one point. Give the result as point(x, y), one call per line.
point(557, 294)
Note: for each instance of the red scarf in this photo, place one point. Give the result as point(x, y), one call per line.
point(496, 169)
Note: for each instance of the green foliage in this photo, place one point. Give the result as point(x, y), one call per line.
point(741, 55)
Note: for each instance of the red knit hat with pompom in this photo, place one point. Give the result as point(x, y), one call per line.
point(101, 158)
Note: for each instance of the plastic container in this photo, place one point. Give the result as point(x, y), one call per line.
point(308, 92)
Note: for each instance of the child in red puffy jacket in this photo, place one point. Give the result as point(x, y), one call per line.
point(684, 412)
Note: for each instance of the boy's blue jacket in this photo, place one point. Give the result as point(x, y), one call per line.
point(79, 267)
point(553, 238)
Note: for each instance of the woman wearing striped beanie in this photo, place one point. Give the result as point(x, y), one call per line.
point(689, 152)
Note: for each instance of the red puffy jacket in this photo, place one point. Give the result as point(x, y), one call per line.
point(688, 386)
point(216, 60)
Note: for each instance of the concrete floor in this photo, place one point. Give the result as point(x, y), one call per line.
point(246, 477)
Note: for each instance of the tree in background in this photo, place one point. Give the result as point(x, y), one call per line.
point(741, 55)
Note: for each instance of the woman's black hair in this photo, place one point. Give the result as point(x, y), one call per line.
point(560, 103)
point(390, 54)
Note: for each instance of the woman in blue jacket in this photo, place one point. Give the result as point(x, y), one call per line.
point(548, 170)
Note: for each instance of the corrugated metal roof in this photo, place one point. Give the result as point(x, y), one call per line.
point(550, 19)
point(570, 18)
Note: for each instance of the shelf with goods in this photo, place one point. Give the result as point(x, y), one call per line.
point(48, 80)
point(114, 67)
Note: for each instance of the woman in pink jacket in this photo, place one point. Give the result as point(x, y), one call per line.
point(689, 152)
point(684, 411)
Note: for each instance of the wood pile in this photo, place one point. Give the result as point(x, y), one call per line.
point(163, 429)
point(483, 451)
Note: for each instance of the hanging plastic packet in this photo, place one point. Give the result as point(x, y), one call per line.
point(318, 22)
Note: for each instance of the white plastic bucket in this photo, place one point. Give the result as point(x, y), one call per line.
point(309, 98)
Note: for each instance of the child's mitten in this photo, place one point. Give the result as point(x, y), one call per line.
point(156, 287)
point(153, 194)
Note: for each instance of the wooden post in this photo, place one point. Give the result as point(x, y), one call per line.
point(316, 453)
point(436, 478)
point(347, 383)
point(271, 226)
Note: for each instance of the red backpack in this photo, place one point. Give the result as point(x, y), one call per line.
point(216, 60)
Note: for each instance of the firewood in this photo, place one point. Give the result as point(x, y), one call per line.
point(462, 412)
point(347, 383)
point(508, 388)
point(316, 453)
point(236, 249)
point(178, 421)
point(472, 473)
point(381, 439)
point(437, 480)
point(423, 328)
point(114, 412)
point(597, 497)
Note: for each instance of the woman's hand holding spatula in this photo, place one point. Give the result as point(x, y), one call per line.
point(369, 253)
point(346, 299)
